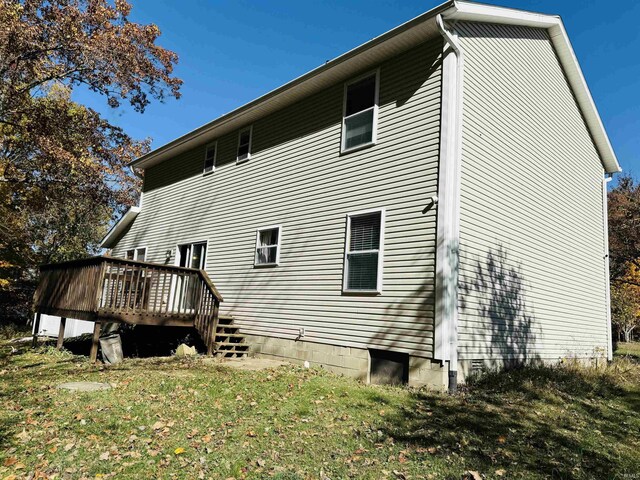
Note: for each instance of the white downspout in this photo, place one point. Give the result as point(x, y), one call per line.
point(605, 224)
point(449, 217)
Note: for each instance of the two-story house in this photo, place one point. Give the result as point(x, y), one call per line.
point(428, 203)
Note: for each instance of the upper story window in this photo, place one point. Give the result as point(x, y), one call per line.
point(359, 123)
point(364, 251)
point(210, 158)
point(138, 254)
point(244, 144)
point(268, 246)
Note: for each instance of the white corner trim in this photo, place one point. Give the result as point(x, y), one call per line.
point(124, 221)
point(472, 12)
point(605, 225)
point(448, 213)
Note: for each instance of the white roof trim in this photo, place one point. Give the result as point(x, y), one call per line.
point(384, 46)
point(474, 12)
point(114, 233)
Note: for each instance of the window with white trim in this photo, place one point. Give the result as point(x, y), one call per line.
point(210, 158)
point(360, 118)
point(364, 252)
point(244, 144)
point(138, 254)
point(268, 246)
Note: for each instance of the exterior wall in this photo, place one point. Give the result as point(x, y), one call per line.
point(50, 326)
point(298, 179)
point(532, 278)
point(349, 361)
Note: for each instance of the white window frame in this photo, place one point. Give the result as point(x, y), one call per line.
point(135, 253)
point(177, 256)
point(345, 273)
point(278, 245)
point(250, 130)
point(374, 133)
point(215, 158)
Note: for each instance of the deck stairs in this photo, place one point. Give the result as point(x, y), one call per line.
point(229, 342)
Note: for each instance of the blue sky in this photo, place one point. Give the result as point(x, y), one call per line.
point(233, 51)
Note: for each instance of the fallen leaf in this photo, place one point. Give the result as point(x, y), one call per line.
point(502, 439)
point(69, 446)
point(472, 475)
point(501, 472)
point(206, 438)
point(10, 461)
point(53, 449)
point(158, 425)
point(104, 456)
point(179, 451)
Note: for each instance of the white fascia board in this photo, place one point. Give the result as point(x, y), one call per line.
point(473, 12)
point(117, 229)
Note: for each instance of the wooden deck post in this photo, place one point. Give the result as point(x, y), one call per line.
point(93, 355)
point(211, 341)
point(36, 329)
point(63, 323)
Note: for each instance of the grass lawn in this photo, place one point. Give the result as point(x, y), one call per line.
point(628, 349)
point(171, 418)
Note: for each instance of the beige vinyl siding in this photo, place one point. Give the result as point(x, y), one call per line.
point(296, 178)
point(532, 279)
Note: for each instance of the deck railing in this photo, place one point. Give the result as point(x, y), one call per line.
point(103, 289)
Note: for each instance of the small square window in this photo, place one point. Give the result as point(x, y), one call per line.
point(363, 252)
point(210, 158)
point(267, 246)
point(244, 144)
point(137, 254)
point(359, 125)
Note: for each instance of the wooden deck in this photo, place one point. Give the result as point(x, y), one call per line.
point(106, 289)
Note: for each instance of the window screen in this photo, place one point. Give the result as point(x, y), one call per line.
point(267, 245)
point(360, 113)
point(210, 158)
point(244, 144)
point(363, 252)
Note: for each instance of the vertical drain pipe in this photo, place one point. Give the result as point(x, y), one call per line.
point(450, 231)
point(605, 225)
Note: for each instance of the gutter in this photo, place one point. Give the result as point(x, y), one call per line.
point(448, 234)
point(605, 225)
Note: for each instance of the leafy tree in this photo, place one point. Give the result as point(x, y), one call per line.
point(624, 229)
point(63, 167)
point(625, 309)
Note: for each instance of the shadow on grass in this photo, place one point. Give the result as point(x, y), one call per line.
point(143, 341)
point(554, 421)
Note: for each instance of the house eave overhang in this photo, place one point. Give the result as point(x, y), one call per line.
point(119, 227)
point(401, 38)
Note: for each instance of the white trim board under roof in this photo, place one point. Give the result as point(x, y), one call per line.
point(385, 46)
point(118, 228)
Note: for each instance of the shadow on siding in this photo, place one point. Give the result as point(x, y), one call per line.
point(305, 118)
point(495, 297)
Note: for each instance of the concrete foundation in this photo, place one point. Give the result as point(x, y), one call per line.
point(349, 361)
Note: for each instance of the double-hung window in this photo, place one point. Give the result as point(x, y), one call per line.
point(138, 254)
point(268, 246)
point(364, 251)
point(359, 123)
point(210, 158)
point(244, 144)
